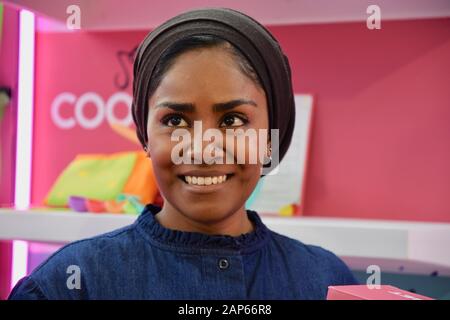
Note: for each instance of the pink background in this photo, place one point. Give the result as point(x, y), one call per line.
point(77, 63)
point(381, 132)
point(380, 136)
point(8, 77)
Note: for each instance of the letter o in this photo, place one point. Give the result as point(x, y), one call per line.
point(79, 107)
point(110, 105)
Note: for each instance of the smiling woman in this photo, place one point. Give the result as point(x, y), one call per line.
point(223, 70)
point(209, 87)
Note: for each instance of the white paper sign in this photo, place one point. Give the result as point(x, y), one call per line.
point(286, 186)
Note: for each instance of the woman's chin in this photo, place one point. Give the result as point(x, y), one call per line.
point(205, 213)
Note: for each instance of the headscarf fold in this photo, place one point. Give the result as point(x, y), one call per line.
point(254, 41)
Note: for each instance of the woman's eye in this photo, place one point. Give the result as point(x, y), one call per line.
point(175, 121)
point(232, 121)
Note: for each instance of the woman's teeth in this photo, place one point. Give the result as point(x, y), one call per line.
point(205, 181)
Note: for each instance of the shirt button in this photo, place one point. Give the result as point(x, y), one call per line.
point(223, 263)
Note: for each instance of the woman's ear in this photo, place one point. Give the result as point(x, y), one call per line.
point(267, 155)
point(269, 149)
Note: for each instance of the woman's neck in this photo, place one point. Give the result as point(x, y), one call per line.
point(233, 225)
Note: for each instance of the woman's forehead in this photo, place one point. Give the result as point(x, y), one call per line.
point(208, 74)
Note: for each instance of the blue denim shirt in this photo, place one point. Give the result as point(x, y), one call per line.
point(148, 261)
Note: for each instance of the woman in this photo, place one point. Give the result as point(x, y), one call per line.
point(220, 69)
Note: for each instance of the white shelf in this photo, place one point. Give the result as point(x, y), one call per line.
point(416, 247)
point(57, 226)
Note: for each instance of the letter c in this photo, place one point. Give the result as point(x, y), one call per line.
point(55, 113)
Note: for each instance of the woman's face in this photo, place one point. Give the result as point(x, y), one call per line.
point(193, 89)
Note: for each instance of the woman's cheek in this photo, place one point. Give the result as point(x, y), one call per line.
point(250, 175)
point(160, 151)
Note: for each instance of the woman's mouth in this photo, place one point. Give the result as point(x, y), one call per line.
point(205, 183)
point(200, 181)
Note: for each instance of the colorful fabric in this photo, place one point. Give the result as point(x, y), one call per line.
point(104, 177)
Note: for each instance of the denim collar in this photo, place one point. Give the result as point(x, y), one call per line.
point(243, 243)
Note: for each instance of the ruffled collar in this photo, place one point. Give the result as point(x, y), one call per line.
point(243, 243)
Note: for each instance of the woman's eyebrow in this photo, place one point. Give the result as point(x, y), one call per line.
point(217, 107)
point(177, 106)
point(224, 106)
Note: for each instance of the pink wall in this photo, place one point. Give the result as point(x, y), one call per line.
point(381, 132)
point(78, 63)
point(8, 77)
point(380, 138)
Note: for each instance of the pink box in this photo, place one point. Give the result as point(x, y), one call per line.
point(364, 292)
